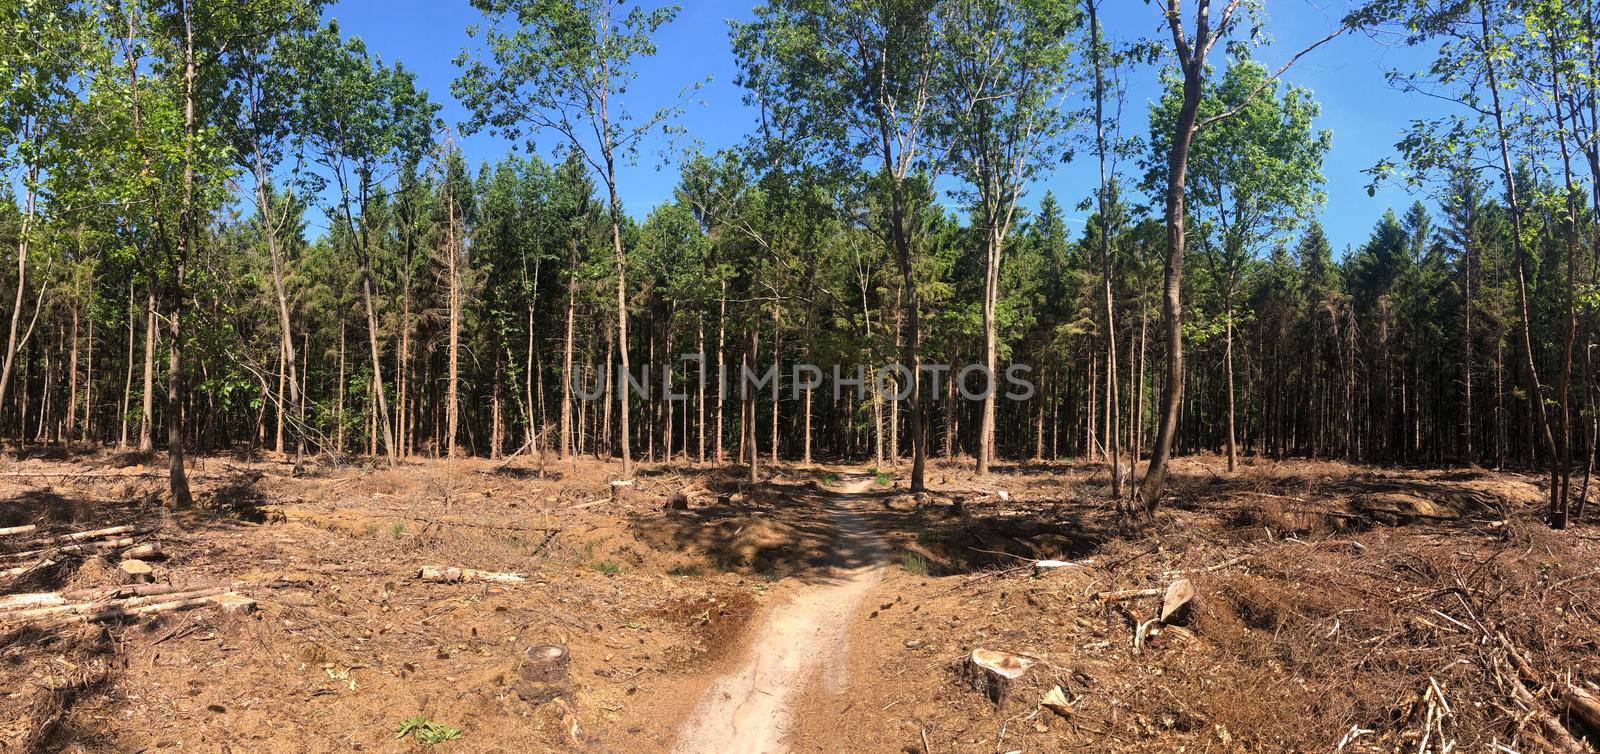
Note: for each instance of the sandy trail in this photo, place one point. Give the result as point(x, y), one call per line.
point(749, 710)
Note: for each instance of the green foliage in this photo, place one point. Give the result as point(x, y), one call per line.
point(914, 563)
point(425, 731)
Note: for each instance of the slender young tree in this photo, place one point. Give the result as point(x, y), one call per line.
point(37, 95)
point(563, 67)
point(363, 120)
point(1192, 49)
point(1009, 63)
point(1251, 177)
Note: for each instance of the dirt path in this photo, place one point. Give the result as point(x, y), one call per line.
point(750, 709)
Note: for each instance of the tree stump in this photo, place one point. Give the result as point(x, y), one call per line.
point(619, 489)
point(236, 603)
point(544, 673)
point(135, 571)
point(994, 672)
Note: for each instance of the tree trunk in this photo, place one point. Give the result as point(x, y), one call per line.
point(900, 220)
point(127, 382)
point(147, 410)
point(338, 409)
point(88, 380)
point(752, 352)
point(1227, 358)
point(277, 401)
point(1561, 459)
point(722, 371)
point(568, 446)
point(775, 373)
point(178, 481)
point(1558, 517)
point(29, 209)
point(452, 269)
point(1155, 477)
point(1467, 455)
point(70, 421)
point(269, 231)
point(991, 289)
point(700, 419)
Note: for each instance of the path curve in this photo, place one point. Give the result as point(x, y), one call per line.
point(749, 711)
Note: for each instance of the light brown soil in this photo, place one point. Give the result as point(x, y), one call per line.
point(1332, 599)
point(801, 642)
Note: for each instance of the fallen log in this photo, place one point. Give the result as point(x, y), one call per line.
point(97, 606)
point(135, 590)
point(230, 601)
point(110, 531)
point(143, 550)
point(31, 599)
point(102, 595)
point(1207, 569)
point(1120, 595)
point(443, 575)
point(77, 536)
point(1581, 706)
point(26, 569)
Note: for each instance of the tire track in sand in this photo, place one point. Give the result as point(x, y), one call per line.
point(749, 711)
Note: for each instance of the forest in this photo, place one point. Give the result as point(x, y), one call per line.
point(320, 434)
point(167, 160)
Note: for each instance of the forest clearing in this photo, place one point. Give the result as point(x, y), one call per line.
point(1335, 607)
point(924, 376)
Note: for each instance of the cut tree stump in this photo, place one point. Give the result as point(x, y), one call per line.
point(234, 603)
point(135, 571)
point(993, 672)
point(544, 673)
point(619, 489)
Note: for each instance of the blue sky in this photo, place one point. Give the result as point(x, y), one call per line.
point(1346, 76)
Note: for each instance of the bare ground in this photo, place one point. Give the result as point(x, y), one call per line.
point(1377, 609)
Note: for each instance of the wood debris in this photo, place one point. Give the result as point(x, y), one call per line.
point(445, 575)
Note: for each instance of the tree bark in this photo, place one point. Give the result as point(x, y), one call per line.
point(1115, 430)
point(1193, 65)
point(178, 481)
point(1558, 517)
point(452, 269)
